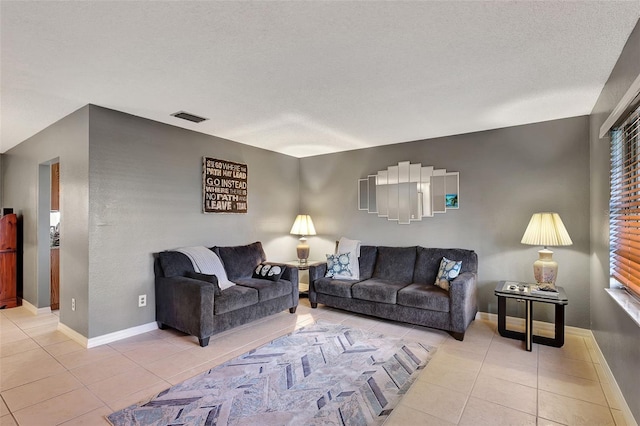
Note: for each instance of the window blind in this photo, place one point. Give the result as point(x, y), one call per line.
point(624, 203)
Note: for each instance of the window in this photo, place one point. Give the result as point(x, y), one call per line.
point(624, 203)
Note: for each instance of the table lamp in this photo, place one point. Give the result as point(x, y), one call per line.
point(546, 229)
point(303, 226)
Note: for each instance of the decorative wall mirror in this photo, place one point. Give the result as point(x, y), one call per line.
point(408, 192)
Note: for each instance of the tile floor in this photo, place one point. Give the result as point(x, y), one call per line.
point(48, 379)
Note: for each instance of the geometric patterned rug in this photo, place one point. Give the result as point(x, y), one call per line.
point(322, 374)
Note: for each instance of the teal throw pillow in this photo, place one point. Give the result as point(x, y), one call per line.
point(338, 266)
point(449, 270)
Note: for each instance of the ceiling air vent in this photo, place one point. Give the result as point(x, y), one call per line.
point(189, 117)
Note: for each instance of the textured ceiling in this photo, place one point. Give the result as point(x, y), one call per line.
point(307, 78)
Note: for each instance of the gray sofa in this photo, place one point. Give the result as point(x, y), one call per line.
point(397, 283)
point(191, 306)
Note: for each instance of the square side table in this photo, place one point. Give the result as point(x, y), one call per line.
point(504, 293)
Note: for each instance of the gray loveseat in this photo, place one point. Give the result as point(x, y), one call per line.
point(397, 283)
point(191, 306)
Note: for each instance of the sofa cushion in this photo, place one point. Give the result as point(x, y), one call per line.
point(395, 264)
point(376, 290)
point(424, 296)
point(340, 288)
point(206, 278)
point(233, 298)
point(367, 261)
point(240, 261)
point(175, 264)
point(268, 271)
point(267, 290)
point(428, 262)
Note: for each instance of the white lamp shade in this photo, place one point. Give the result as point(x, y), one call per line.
point(303, 225)
point(546, 229)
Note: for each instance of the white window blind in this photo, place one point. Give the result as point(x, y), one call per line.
point(624, 203)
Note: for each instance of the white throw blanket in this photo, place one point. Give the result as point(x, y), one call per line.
point(206, 261)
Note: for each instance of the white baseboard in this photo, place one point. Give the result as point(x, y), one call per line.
point(106, 338)
point(580, 332)
point(36, 311)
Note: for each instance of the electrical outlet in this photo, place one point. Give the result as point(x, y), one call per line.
point(142, 300)
point(73, 304)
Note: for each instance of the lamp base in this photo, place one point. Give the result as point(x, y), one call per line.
point(303, 251)
point(545, 269)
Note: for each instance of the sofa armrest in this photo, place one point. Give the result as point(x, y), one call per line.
point(291, 274)
point(185, 304)
point(464, 303)
point(316, 271)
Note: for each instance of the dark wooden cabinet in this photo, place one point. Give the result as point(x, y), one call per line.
point(55, 279)
point(8, 261)
point(55, 186)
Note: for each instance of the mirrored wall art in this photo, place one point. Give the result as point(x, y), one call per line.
point(408, 192)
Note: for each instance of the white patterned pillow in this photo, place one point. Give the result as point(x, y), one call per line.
point(338, 266)
point(449, 270)
point(352, 247)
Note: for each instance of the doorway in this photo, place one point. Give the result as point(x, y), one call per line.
point(48, 235)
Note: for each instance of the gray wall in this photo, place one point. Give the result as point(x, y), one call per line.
point(506, 175)
point(131, 187)
point(68, 140)
point(145, 191)
point(617, 335)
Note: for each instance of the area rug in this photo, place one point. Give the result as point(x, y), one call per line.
point(322, 374)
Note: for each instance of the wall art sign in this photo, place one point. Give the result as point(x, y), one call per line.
point(224, 186)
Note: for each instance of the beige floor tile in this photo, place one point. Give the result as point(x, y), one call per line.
point(26, 367)
point(96, 417)
point(572, 367)
point(545, 422)
point(103, 369)
point(86, 356)
point(573, 348)
point(59, 409)
point(479, 346)
point(449, 377)
point(503, 349)
point(12, 336)
point(479, 412)
point(47, 336)
point(404, 416)
point(435, 400)
point(457, 358)
point(12, 348)
point(594, 355)
point(4, 410)
point(571, 411)
point(504, 392)
point(571, 386)
point(65, 347)
point(123, 385)
point(7, 420)
point(192, 372)
point(427, 335)
point(37, 321)
point(40, 390)
point(177, 363)
point(153, 351)
point(512, 371)
point(142, 395)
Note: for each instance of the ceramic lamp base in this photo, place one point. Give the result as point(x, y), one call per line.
point(545, 269)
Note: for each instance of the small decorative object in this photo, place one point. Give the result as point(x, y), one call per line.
point(303, 226)
point(224, 186)
point(546, 229)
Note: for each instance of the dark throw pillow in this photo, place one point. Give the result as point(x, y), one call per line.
point(207, 278)
point(268, 271)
